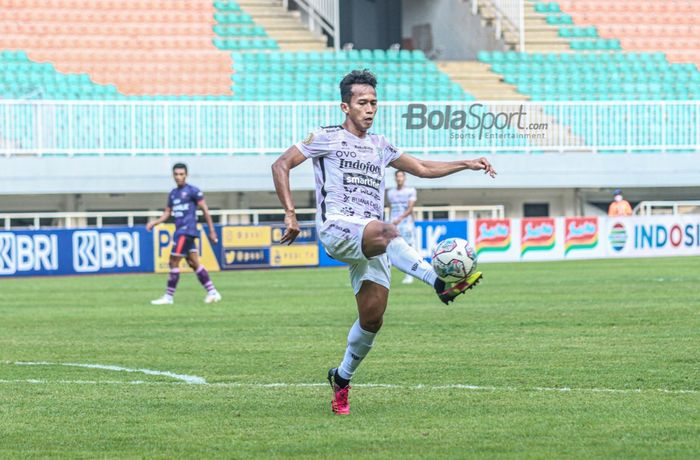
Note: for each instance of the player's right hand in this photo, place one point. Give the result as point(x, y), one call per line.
point(149, 226)
point(292, 229)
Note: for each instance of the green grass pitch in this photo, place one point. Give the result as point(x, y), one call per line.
point(589, 359)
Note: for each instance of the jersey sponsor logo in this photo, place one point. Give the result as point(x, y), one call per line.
point(308, 139)
point(180, 209)
point(339, 228)
point(358, 165)
point(93, 251)
point(361, 179)
point(345, 154)
point(25, 253)
point(374, 195)
point(363, 201)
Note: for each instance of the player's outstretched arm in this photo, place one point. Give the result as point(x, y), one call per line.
point(433, 169)
point(207, 217)
point(406, 213)
point(164, 217)
point(280, 175)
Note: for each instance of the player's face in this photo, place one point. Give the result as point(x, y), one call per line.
point(180, 175)
point(400, 179)
point(362, 107)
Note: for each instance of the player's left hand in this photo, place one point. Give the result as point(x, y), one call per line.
point(483, 164)
point(396, 221)
point(213, 237)
point(292, 229)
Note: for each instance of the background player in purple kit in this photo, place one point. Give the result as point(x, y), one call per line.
point(183, 201)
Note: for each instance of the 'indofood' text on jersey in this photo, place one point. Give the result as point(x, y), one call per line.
point(183, 201)
point(349, 172)
point(399, 200)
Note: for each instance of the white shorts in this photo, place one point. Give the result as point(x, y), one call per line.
point(342, 240)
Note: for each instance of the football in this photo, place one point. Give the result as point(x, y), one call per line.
point(454, 259)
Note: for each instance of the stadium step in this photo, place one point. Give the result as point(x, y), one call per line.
point(476, 78)
point(284, 26)
point(489, 15)
point(539, 35)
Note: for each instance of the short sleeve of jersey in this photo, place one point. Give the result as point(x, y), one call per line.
point(413, 196)
point(197, 194)
point(316, 144)
point(170, 200)
point(390, 151)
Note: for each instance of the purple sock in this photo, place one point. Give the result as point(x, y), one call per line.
point(203, 276)
point(173, 278)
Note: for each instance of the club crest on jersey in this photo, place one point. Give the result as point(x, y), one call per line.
point(183, 195)
point(309, 139)
point(380, 154)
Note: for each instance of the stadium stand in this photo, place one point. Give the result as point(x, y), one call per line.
point(634, 25)
point(609, 55)
point(595, 76)
point(406, 75)
point(78, 49)
point(142, 47)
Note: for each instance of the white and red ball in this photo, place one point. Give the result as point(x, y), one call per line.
point(454, 259)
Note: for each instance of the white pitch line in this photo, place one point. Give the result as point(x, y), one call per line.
point(359, 385)
point(191, 379)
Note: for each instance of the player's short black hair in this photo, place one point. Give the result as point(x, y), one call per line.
point(356, 77)
point(399, 171)
point(180, 166)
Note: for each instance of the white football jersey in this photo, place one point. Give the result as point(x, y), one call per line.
point(349, 172)
point(399, 201)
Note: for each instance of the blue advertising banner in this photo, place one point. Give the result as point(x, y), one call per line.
point(71, 252)
point(429, 233)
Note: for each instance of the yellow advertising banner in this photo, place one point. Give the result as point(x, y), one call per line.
point(290, 256)
point(163, 243)
point(246, 236)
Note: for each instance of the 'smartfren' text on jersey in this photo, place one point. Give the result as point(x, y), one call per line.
point(349, 172)
point(399, 200)
point(183, 201)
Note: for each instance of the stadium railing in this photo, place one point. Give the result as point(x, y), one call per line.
point(653, 208)
point(510, 11)
point(129, 128)
point(323, 15)
point(99, 219)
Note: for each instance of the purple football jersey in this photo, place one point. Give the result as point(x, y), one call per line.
point(183, 201)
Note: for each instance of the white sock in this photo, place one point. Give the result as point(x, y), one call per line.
point(359, 344)
point(406, 259)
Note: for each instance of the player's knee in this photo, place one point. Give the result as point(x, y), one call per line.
point(389, 232)
point(371, 324)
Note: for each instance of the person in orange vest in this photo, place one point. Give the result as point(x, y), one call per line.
point(619, 206)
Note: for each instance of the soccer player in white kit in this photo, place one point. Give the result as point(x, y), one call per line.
point(401, 201)
point(349, 165)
